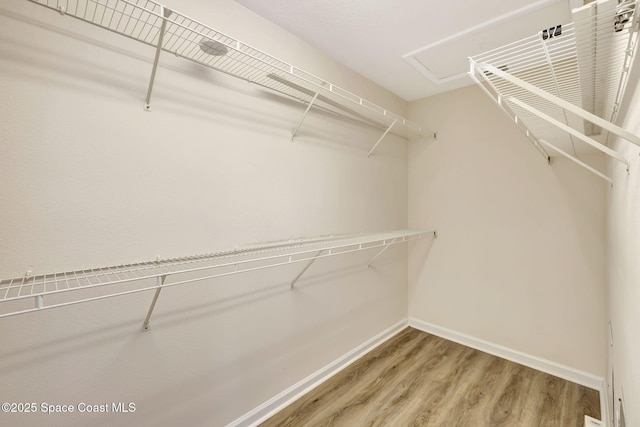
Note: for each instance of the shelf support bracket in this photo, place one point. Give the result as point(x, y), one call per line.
point(304, 115)
point(498, 100)
point(617, 130)
point(166, 13)
point(578, 161)
point(306, 267)
point(381, 251)
point(160, 282)
point(571, 131)
point(382, 137)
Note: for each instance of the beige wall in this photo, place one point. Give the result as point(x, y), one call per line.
point(519, 261)
point(623, 262)
point(88, 179)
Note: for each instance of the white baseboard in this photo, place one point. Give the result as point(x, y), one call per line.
point(273, 405)
point(561, 371)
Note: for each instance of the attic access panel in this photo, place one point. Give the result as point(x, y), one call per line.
point(446, 61)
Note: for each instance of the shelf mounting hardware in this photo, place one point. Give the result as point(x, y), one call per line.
point(498, 100)
point(578, 161)
point(381, 251)
point(160, 281)
point(163, 27)
point(306, 111)
point(382, 137)
point(306, 267)
point(572, 131)
point(617, 130)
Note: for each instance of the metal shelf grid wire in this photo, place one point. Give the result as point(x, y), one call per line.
point(136, 276)
point(142, 20)
point(586, 65)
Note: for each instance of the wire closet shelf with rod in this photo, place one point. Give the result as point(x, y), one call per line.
point(37, 292)
point(564, 85)
point(167, 30)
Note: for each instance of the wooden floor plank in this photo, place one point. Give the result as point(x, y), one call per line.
point(418, 379)
point(399, 399)
point(352, 407)
point(586, 400)
point(552, 390)
point(349, 380)
point(506, 408)
point(482, 394)
point(461, 373)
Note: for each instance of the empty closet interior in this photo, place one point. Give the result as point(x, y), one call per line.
point(204, 216)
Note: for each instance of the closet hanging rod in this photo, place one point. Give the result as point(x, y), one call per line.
point(143, 20)
point(68, 288)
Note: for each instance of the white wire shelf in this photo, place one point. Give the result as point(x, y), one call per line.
point(563, 86)
point(31, 293)
point(151, 23)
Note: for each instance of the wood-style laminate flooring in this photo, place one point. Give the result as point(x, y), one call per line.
point(418, 379)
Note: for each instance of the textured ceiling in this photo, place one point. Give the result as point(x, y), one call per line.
point(372, 36)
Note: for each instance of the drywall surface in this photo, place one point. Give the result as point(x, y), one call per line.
point(89, 179)
point(519, 261)
point(623, 264)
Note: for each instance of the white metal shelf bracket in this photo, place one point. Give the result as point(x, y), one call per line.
point(498, 100)
point(163, 27)
point(392, 242)
point(578, 161)
point(381, 251)
point(617, 130)
point(382, 137)
point(160, 281)
point(304, 115)
point(571, 131)
point(306, 267)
